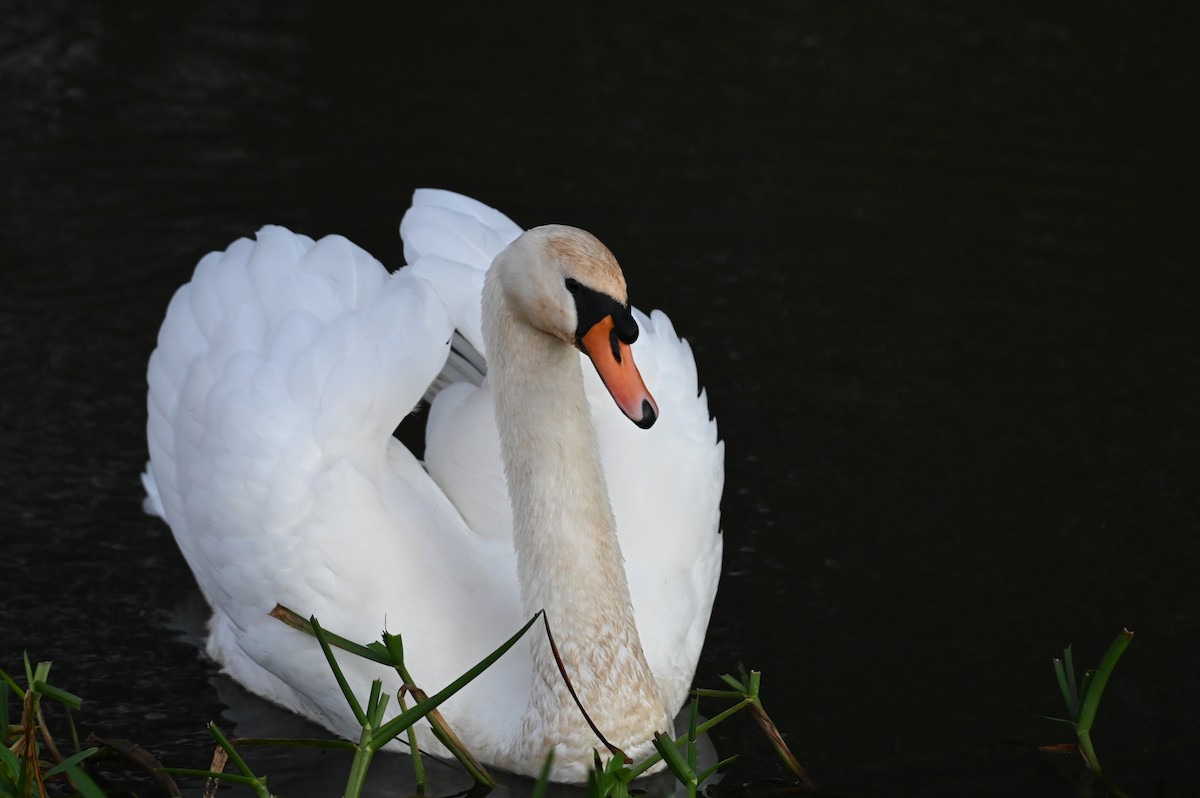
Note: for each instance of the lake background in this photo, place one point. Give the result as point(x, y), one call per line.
point(938, 264)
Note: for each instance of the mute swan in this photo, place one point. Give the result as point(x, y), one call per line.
point(280, 373)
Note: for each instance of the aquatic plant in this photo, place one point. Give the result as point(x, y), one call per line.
point(24, 746)
point(1083, 698)
point(30, 758)
point(608, 779)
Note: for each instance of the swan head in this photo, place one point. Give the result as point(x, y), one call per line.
point(564, 282)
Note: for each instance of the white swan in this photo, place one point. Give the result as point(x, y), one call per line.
point(280, 373)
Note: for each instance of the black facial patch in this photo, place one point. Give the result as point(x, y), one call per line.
point(591, 306)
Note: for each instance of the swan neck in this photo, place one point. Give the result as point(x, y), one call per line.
point(569, 560)
point(564, 532)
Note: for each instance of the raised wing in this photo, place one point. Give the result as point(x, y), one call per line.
point(665, 483)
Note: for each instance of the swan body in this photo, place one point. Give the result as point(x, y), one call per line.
point(282, 370)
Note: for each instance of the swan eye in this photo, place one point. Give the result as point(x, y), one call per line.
point(573, 285)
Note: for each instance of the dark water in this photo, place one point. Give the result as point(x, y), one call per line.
point(938, 264)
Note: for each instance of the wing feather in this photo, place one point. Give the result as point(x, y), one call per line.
point(284, 363)
point(665, 483)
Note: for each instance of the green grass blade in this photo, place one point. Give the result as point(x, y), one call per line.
point(357, 778)
point(1067, 721)
point(11, 682)
point(3, 709)
point(70, 761)
point(25, 779)
point(58, 694)
point(754, 684)
point(234, 756)
point(1086, 686)
point(674, 760)
point(247, 779)
point(1069, 659)
point(74, 731)
point(422, 708)
point(647, 763)
point(394, 646)
point(83, 782)
point(376, 703)
point(693, 721)
point(740, 687)
point(704, 692)
point(42, 672)
point(1096, 685)
point(595, 779)
point(617, 777)
point(444, 734)
point(703, 777)
point(347, 693)
point(376, 690)
point(723, 714)
point(413, 748)
point(373, 652)
point(1064, 685)
point(9, 760)
point(543, 781)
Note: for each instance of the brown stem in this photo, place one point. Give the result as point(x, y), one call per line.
point(140, 757)
point(220, 757)
point(562, 668)
point(772, 731)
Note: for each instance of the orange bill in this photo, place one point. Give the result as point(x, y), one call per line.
point(613, 360)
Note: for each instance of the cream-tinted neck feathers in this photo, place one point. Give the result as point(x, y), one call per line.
point(568, 558)
point(533, 270)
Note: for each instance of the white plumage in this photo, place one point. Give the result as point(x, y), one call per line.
point(281, 371)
